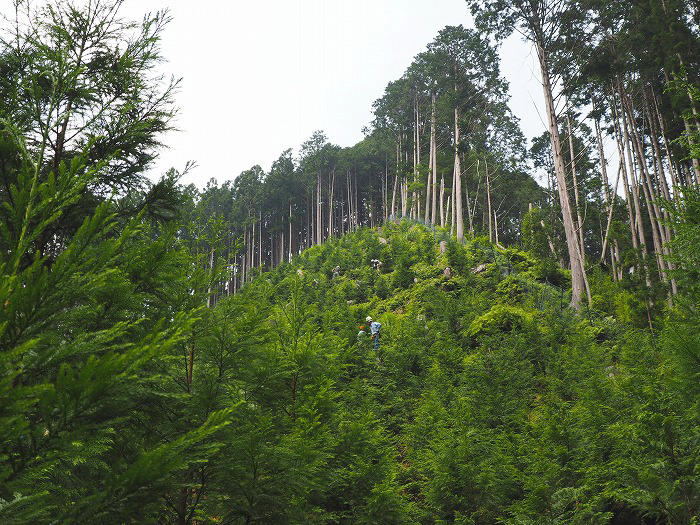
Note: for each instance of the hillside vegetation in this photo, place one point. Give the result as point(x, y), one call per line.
point(171, 356)
point(489, 401)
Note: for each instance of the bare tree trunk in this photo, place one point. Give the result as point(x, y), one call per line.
point(430, 185)
point(404, 197)
point(330, 204)
point(356, 200)
point(450, 214)
point(459, 220)
point(609, 202)
point(603, 164)
point(495, 226)
point(674, 178)
point(211, 270)
point(476, 197)
point(611, 207)
point(452, 208)
point(664, 226)
point(469, 210)
point(579, 221)
point(442, 201)
point(385, 196)
point(396, 179)
point(291, 247)
point(488, 200)
point(634, 183)
point(623, 165)
point(578, 278)
point(645, 182)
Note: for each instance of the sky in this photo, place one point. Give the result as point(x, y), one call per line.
point(260, 76)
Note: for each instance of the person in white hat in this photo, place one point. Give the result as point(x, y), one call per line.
point(375, 328)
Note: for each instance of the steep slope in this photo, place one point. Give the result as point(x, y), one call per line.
point(488, 401)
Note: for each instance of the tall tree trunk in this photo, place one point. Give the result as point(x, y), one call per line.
point(662, 126)
point(645, 183)
point(385, 187)
point(488, 200)
point(396, 179)
point(452, 208)
point(578, 278)
point(450, 213)
point(430, 199)
point(579, 220)
point(476, 196)
point(633, 178)
point(291, 246)
point(330, 203)
point(611, 208)
point(404, 196)
point(442, 201)
point(623, 164)
point(319, 211)
point(459, 220)
point(609, 201)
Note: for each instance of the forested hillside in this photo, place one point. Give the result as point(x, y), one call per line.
point(176, 356)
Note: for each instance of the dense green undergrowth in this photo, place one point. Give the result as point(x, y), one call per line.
point(488, 401)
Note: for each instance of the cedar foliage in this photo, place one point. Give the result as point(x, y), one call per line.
point(125, 400)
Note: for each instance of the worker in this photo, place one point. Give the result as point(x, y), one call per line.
point(375, 331)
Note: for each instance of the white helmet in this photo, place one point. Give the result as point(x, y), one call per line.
point(369, 319)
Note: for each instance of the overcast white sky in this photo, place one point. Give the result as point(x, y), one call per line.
point(260, 76)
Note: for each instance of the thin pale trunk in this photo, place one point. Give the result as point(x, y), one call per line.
point(611, 207)
point(469, 210)
point(430, 204)
point(579, 220)
point(330, 204)
point(488, 200)
point(291, 248)
point(428, 187)
point(609, 202)
point(603, 164)
point(634, 188)
point(244, 256)
point(404, 197)
point(662, 126)
point(442, 201)
point(417, 191)
point(393, 196)
point(448, 212)
point(452, 208)
point(578, 278)
point(319, 211)
point(459, 220)
point(252, 248)
point(495, 227)
point(633, 177)
point(386, 189)
point(356, 199)
point(476, 197)
point(211, 270)
point(645, 183)
point(623, 165)
point(665, 225)
point(396, 178)
point(613, 262)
